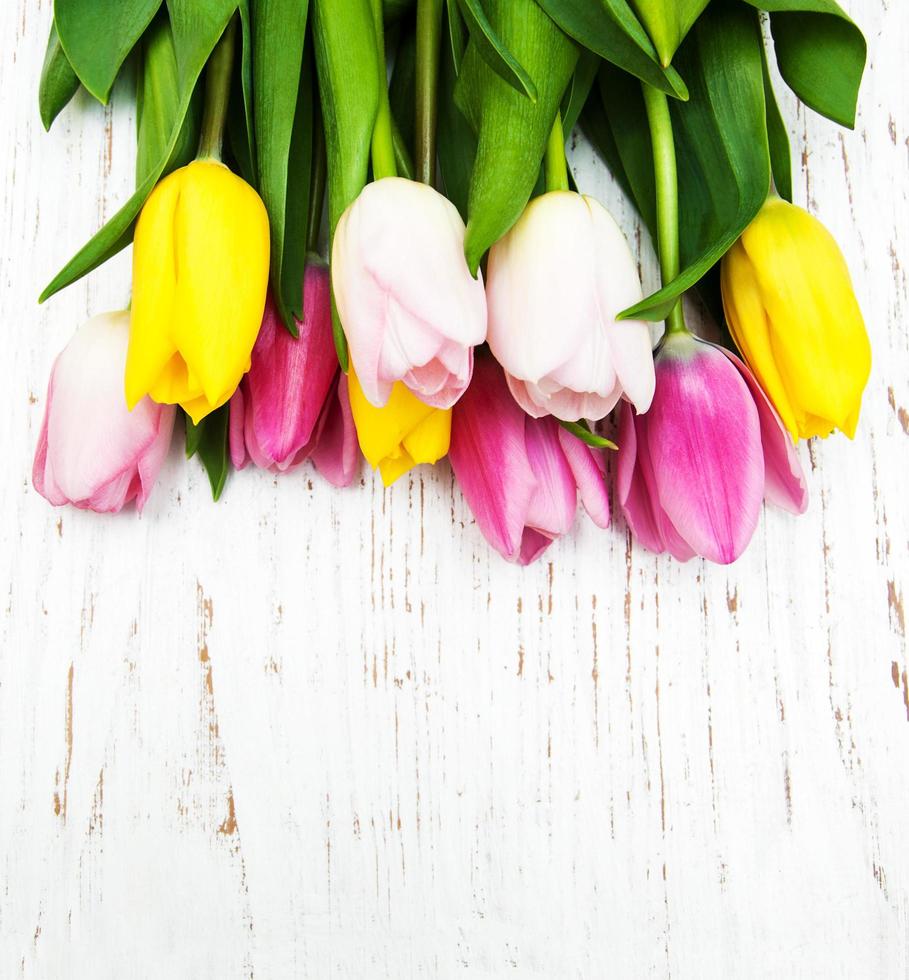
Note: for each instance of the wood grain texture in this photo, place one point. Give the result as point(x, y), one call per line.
point(330, 734)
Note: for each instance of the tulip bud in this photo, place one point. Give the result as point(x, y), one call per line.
point(791, 308)
point(520, 476)
point(200, 272)
point(409, 306)
point(290, 406)
point(556, 283)
point(692, 472)
point(402, 433)
point(92, 451)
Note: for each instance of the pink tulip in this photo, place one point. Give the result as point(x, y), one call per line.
point(556, 283)
point(692, 472)
point(292, 404)
point(92, 451)
point(521, 476)
point(409, 306)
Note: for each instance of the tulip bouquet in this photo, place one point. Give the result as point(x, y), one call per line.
point(461, 296)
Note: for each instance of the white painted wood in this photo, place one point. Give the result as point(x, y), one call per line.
point(317, 733)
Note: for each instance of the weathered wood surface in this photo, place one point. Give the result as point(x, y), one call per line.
point(317, 733)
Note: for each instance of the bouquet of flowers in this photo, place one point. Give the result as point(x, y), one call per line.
point(475, 303)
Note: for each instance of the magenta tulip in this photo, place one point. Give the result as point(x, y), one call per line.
point(92, 451)
point(693, 471)
point(292, 405)
point(521, 476)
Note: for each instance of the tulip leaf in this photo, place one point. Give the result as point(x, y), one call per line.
point(581, 430)
point(721, 145)
point(668, 22)
point(279, 29)
point(97, 36)
point(59, 83)
point(820, 53)
point(457, 144)
point(511, 130)
point(209, 440)
point(457, 33)
point(197, 26)
point(596, 128)
point(585, 74)
point(777, 137)
point(347, 62)
point(493, 50)
point(610, 29)
point(158, 102)
point(401, 89)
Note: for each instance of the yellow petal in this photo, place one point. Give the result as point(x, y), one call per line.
point(151, 343)
point(429, 441)
point(222, 251)
point(393, 467)
point(818, 336)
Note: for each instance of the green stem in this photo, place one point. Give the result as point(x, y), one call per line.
point(383, 146)
point(217, 94)
point(555, 164)
point(667, 196)
point(429, 35)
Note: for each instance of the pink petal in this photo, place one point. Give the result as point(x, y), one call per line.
point(705, 446)
point(555, 498)
point(152, 459)
point(589, 471)
point(336, 454)
point(290, 379)
point(785, 479)
point(236, 429)
point(489, 457)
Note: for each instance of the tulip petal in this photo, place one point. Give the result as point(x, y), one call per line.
point(236, 430)
point(705, 447)
point(785, 483)
point(589, 471)
point(555, 497)
point(489, 457)
point(336, 454)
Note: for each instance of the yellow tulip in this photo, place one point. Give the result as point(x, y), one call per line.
point(792, 311)
point(200, 272)
point(401, 434)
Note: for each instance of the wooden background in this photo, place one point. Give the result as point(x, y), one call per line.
point(330, 734)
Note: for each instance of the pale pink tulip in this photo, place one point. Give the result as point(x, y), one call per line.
point(555, 286)
point(292, 405)
point(409, 306)
point(92, 451)
point(520, 476)
point(692, 472)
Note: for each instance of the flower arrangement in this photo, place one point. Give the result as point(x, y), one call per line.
point(475, 303)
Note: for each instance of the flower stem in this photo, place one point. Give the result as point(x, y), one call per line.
point(555, 164)
point(667, 195)
point(383, 147)
point(429, 34)
point(217, 94)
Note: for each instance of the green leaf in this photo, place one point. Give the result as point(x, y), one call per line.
point(197, 25)
point(401, 89)
point(457, 33)
point(582, 80)
point(494, 51)
point(457, 143)
point(721, 146)
point(512, 131)
point(97, 37)
point(158, 104)
point(777, 137)
point(348, 68)
point(595, 126)
point(610, 29)
point(279, 29)
point(209, 439)
point(668, 22)
point(393, 9)
point(581, 430)
point(59, 83)
point(820, 53)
